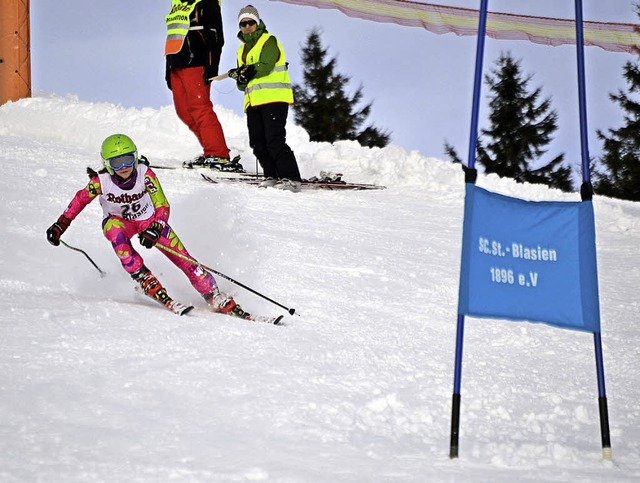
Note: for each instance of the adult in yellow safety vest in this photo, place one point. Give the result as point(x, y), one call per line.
point(263, 77)
point(193, 48)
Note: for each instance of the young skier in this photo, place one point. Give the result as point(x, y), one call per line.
point(133, 203)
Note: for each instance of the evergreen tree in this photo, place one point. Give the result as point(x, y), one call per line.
point(621, 148)
point(520, 128)
point(323, 108)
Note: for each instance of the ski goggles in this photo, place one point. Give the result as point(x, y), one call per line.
point(122, 161)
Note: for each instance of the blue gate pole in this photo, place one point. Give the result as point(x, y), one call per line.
point(457, 380)
point(586, 191)
point(602, 399)
point(582, 97)
point(477, 85)
point(471, 161)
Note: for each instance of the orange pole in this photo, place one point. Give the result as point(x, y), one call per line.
point(15, 51)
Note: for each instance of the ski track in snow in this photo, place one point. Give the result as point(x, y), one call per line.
point(98, 383)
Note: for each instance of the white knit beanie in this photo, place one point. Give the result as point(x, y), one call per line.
point(249, 12)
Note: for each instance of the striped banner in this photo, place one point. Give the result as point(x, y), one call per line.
point(439, 19)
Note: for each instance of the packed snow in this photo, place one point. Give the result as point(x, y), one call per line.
point(100, 384)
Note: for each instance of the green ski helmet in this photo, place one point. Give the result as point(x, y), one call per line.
point(116, 148)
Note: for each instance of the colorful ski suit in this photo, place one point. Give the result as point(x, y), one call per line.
point(129, 207)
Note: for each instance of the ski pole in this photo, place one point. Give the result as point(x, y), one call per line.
point(173, 252)
point(102, 274)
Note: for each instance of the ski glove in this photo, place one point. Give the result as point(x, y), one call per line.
point(56, 230)
point(149, 237)
point(167, 76)
point(233, 73)
point(209, 72)
point(243, 74)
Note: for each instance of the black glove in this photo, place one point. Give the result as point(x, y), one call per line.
point(167, 76)
point(149, 237)
point(56, 230)
point(246, 73)
point(209, 72)
point(142, 159)
point(243, 74)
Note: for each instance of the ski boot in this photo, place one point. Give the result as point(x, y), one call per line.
point(220, 302)
point(224, 304)
point(216, 163)
point(225, 165)
point(152, 287)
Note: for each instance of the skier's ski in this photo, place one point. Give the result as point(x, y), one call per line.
point(168, 303)
point(232, 166)
point(157, 166)
point(178, 308)
point(229, 166)
point(261, 318)
point(240, 179)
point(238, 312)
point(306, 184)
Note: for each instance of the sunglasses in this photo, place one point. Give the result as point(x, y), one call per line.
point(122, 161)
point(248, 23)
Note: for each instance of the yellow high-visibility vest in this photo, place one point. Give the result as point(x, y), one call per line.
point(275, 87)
point(178, 25)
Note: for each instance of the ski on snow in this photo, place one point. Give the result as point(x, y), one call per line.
point(259, 318)
point(232, 169)
point(168, 303)
point(178, 308)
point(181, 309)
point(306, 184)
point(232, 174)
point(240, 313)
point(230, 166)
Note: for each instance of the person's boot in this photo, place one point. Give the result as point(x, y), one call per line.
point(151, 285)
point(220, 302)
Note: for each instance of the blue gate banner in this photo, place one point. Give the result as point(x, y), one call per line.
point(527, 260)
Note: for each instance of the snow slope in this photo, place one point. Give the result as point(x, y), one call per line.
point(99, 384)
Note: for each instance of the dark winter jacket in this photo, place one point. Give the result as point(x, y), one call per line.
point(202, 47)
point(269, 55)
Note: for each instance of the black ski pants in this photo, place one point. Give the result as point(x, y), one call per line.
point(267, 138)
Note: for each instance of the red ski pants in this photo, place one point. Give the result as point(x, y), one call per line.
point(191, 98)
